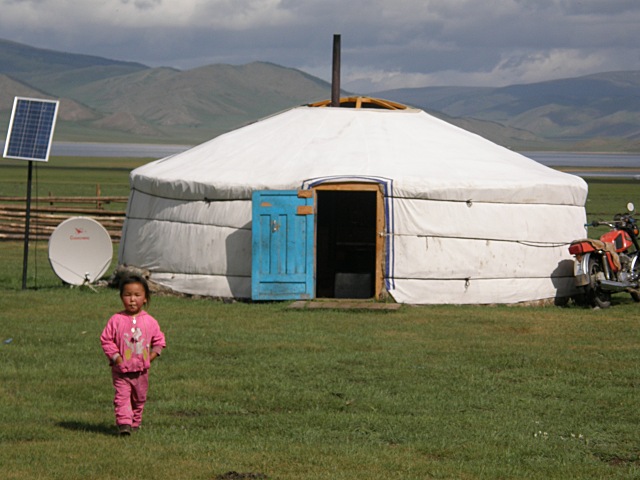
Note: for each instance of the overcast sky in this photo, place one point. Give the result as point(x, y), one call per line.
point(385, 43)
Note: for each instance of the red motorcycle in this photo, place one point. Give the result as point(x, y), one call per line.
point(610, 264)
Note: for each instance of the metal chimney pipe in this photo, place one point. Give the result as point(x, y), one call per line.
point(335, 77)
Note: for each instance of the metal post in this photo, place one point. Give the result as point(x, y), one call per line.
point(25, 261)
point(335, 79)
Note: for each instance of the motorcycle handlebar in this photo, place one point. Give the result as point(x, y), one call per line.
point(620, 220)
point(597, 223)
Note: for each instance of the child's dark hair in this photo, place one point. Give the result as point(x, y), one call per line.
point(136, 279)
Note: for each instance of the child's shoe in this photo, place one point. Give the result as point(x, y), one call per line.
point(124, 430)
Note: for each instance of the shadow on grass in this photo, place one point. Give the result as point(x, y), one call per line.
point(101, 428)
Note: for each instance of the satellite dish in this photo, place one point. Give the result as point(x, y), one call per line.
point(80, 250)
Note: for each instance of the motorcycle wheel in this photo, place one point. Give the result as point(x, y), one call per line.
point(635, 294)
point(597, 297)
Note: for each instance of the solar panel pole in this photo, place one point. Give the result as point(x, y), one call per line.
point(27, 221)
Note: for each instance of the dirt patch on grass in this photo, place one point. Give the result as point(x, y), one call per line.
point(241, 476)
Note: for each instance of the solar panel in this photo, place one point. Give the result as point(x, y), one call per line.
point(31, 129)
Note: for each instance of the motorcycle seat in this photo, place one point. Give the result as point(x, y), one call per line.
point(609, 248)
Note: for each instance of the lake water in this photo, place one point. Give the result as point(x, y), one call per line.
point(135, 150)
point(592, 161)
point(551, 159)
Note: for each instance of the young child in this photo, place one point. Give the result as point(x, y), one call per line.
point(131, 340)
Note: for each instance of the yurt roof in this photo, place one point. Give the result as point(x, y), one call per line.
point(423, 156)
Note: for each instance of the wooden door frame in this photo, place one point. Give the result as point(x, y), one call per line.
point(379, 291)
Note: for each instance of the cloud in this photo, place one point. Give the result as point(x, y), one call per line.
point(384, 43)
point(516, 67)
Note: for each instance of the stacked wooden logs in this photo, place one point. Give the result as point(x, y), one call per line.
point(46, 213)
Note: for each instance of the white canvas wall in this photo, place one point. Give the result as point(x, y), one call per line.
point(472, 222)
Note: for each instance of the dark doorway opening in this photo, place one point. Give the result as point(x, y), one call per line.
point(346, 243)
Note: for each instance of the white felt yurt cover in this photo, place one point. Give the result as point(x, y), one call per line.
point(468, 221)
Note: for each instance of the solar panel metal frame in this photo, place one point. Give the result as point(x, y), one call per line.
point(31, 129)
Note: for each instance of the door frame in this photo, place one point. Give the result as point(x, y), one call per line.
point(379, 290)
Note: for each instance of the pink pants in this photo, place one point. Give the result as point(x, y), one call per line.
point(131, 394)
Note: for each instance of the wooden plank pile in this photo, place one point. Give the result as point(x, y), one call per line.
point(48, 212)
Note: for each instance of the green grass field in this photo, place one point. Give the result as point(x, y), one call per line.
point(67, 176)
point(266, 391)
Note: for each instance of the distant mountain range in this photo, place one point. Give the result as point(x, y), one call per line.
point(593, 112)
point(104, 100)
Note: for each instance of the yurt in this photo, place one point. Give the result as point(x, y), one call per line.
point(391, 202)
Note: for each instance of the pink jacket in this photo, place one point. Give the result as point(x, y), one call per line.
point(133, 338)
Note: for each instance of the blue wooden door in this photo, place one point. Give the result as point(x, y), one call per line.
point(283, 234)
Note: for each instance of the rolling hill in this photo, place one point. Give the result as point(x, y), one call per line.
point(104, 100)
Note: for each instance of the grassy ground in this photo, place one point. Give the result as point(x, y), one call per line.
point(271, 392)
point(423, 392)
point(66, 176)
